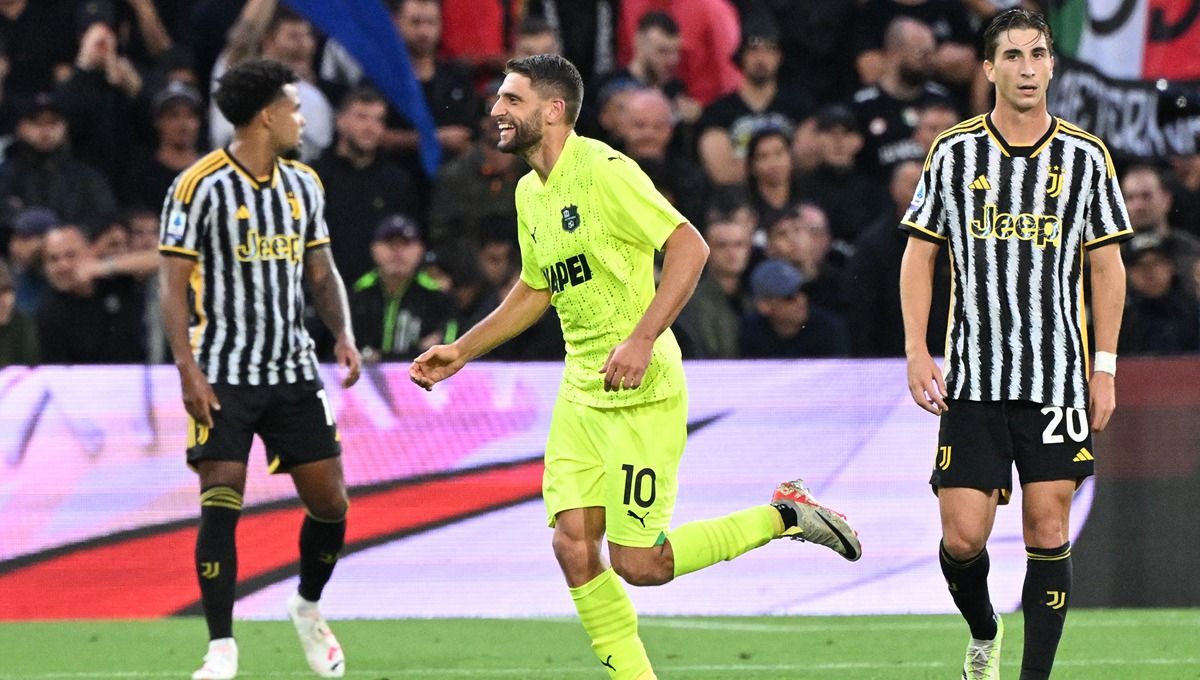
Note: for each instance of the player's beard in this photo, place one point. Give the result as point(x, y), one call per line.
point(526, 135)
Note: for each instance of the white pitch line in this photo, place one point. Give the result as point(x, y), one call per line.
point(590, 670)
point(756, 627)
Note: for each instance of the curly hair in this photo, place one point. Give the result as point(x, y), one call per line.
point(250, 87)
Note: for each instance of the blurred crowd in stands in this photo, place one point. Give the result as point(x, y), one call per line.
point(791, 133)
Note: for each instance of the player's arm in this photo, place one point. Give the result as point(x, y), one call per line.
point(198, 396)
point(521, 308)
point(925, 381)
point(1108, 304)
point(329, 297)
point(684, 255)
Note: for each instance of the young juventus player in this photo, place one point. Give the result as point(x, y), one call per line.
point(241, 229)
point(1018, 196)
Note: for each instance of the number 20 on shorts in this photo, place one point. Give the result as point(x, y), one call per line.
point(1075, 420)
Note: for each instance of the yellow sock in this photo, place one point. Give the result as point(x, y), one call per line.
point(697, 545)
point(609, 619)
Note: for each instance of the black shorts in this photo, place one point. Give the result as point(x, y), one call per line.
point(295, 423)
point(979, 441)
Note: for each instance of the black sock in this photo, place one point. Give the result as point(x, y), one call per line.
point(1045, 598)
point(320, 543)
point(788, 513)
point(968, 586)
point(216, 557)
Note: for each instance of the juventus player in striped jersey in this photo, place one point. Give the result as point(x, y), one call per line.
point(242, 229)
point(1020, 198)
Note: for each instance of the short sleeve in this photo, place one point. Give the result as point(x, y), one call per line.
point(181, 222)
point(317, 233)
point(530, 274)
point(925, 217)
point(1106, 220)
point(634, 210)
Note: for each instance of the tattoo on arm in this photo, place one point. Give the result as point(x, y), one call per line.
point(328, 291)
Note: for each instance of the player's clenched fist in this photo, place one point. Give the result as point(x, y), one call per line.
point(435, 365)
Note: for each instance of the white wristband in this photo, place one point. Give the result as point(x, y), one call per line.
point(1106, 362)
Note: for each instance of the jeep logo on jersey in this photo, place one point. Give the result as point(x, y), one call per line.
point(570, 272)
point(570, 216)
point(1041, 229)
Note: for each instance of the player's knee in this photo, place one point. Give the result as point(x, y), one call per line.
point(570, 552)
point(963, 546)
point(331, 507)
point(647, 569)
point(1045, 532)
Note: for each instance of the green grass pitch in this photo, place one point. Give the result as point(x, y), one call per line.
point(1098, 644)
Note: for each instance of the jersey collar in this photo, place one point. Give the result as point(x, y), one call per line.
point(1021, 151)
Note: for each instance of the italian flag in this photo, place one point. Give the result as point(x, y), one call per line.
point(1130, 39)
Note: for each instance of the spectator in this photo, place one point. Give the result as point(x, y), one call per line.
point(774, 191)
point(361, 186)
point(784, 325)
point(535, 36)
point(813, 36)
point(1185, 189)
point(41, 41)
point(18, 333)
point(953, 60)
point(587, 29)
point(177, 113)
point(265, 30)
point(1149, 204)
point(646, 131)
point(499, 262)
point(728, 123)
point(480, 183)
point(656, 55)
point(150, 28)
point(8, 112)
point(934, 118)
point(25, 248)
point(475, 34)
point(871, 294)
point(1161, 316)
point(85, 321)
point(398, 313)
point(708, 323)
point(848, 196)
point(99, 101)
point(40, 171)
point(708, 30)
point(888, 108)
point(448, 89)
point(802, 238)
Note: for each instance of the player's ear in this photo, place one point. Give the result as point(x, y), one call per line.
point(989, 71)
point(558, 110)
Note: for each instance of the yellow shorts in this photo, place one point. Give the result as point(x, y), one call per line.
point(625, 460)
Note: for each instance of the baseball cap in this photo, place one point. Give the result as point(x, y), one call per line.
point(35, 221)
point(398, 226)
point(758, 32)
point(776, 279)
point(176, 92)
point(837, 115)
point(34, 105)
point(1145, 243)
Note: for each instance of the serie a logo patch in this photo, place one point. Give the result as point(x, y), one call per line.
point(570, 218)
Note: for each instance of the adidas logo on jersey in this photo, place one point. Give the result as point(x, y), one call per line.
point(243, 213)
point(981, 183)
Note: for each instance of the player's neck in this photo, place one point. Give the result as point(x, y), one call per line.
point(1020, 128)
point(543, 156)
point(258, 158)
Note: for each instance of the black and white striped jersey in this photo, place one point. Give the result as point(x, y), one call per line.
point(1017, 221)
point(248, 237)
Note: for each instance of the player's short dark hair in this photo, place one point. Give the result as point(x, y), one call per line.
point(554, 75)
point(1017, 17)
point(250, 87)
point(361, 95)
point(660, 20)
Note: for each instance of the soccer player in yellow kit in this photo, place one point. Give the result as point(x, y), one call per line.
point(589, 221)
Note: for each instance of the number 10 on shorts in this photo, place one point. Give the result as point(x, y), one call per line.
point(639, 486)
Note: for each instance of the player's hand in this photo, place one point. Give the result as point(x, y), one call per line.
point(926, 385)
point(626, 364)
point(198, 396)
point(435, 365)
point(1102, 399)
point(349, 359)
